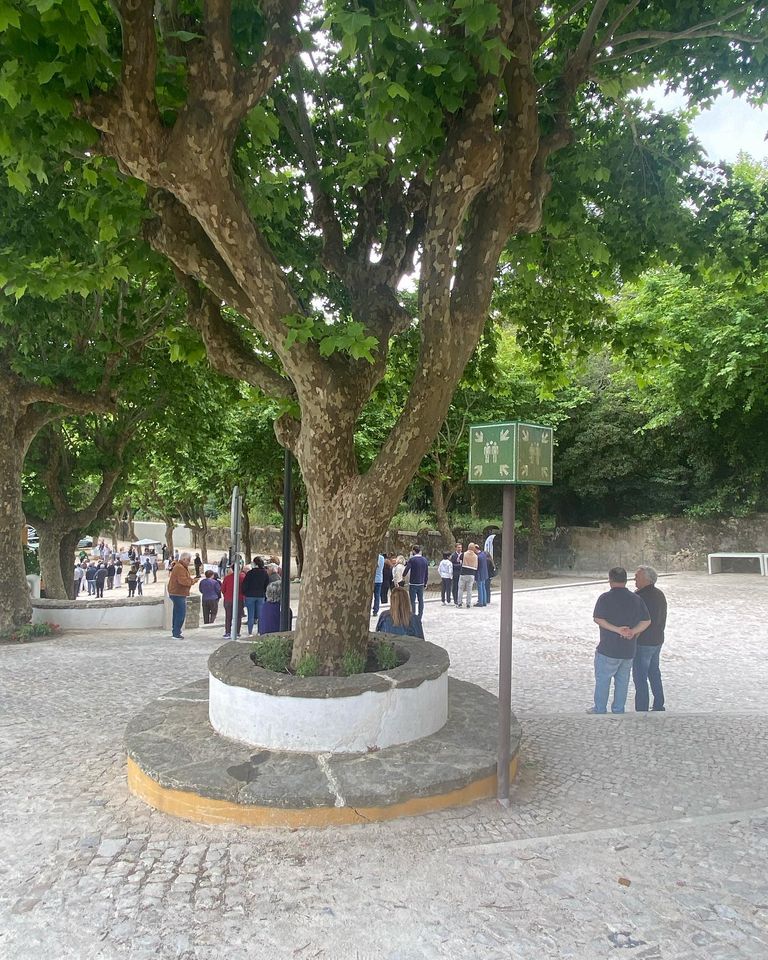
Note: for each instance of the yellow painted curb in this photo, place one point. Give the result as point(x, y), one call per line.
point(191, 806)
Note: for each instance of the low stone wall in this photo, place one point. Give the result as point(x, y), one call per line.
point(139, 613)
point(367, 711)
point(668, 544)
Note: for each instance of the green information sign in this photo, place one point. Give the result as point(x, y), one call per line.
point(510, 453)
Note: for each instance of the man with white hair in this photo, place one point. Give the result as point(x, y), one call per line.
point(179, 583)
point(645, 666)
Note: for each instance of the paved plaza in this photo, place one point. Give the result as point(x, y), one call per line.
point(641, 837)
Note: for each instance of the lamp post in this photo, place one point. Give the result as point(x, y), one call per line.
point(285, 595)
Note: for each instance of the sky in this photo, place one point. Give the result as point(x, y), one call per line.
point(729, 126)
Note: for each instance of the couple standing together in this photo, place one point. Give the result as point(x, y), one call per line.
point(631, 635)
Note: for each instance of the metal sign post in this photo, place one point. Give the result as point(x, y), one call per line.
point(285, 594)
point(509, 454)
point(235, 521)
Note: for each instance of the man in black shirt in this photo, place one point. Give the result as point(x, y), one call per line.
point(621, 616)
point(645, 666)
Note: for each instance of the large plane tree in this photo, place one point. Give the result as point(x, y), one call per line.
point(303, 161)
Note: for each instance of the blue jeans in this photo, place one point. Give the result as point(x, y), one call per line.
point(605, 669)
point(482, 593)
point(645, 670)
point(416, 590)
point(253, 606)
point(179, 614)
point(376, 597)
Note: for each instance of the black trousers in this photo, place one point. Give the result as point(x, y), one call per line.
point(455, 585)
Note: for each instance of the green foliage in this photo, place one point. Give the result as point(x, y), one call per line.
point(352, 662)
point(273, 652)
point(29, 631)
point(386, 656)
point(31, 560)
point(308, 666)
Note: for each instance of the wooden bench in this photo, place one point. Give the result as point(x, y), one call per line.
point(715, 560)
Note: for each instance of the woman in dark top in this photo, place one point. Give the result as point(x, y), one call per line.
point(254, 590)
point(269, 618)
point(399, 619)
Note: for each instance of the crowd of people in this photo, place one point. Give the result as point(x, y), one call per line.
point(93, 576)
point(460, 573)
point(259, 594)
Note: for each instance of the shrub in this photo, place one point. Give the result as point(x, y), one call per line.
point(386, 656)
point(273, 652)
point(29, 631)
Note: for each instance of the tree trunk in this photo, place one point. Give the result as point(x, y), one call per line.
point(441, 513)
point(474, 512)
point(535, 539)
point(169, 525)
point(52, 547)
point(340, 562)
point(15, 606)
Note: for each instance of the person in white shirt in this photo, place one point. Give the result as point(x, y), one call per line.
point(445, 569)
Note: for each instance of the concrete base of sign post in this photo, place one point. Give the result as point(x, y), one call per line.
point(180, 765)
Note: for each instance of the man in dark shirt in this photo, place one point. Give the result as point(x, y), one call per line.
point(621, 616)
point(417, 570)
point(645, 666)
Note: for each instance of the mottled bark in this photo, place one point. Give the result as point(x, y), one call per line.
point(342, 542)
point(57, 558)
point(15, 606)
point(169, 527)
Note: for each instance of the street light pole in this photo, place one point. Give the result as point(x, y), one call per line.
point(285, 595)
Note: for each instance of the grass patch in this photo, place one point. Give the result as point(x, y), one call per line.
point(273, 652)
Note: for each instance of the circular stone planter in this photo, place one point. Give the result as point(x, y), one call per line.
point(364, 712)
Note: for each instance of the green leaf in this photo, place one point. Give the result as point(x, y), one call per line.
point(45, 71)
point(396, 90)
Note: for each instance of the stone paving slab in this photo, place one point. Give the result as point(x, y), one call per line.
point(172, 742)
point(676, 805)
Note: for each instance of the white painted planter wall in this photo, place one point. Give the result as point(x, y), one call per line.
point(83, 617)
point(352, 724)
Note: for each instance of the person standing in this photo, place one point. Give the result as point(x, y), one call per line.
point(445, 569)
point(78, 581)
point(645, 666)
point(378, 580)
point(90, 576)
point(467, 575)
point(111, 575)
point(386, 583)
point(131, 579)
point(118, 572)
point(621, 617)
point(228, 595)
point(99, 580)
point(179, 583)
point(198, 565)
point(417, 571)
point(483, 578)
point(255, 586)
point(210, 588)
point(456, 557)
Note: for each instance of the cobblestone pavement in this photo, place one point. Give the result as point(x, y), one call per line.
point(643, 837)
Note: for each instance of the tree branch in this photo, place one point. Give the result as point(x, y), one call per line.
point(228, 353)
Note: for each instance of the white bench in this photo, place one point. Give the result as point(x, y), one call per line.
point(715, 560)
